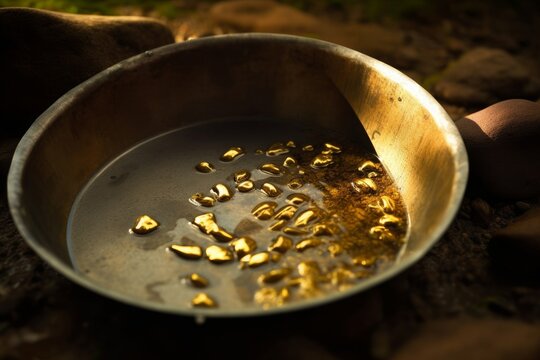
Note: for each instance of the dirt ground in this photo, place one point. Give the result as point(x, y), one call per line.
point(459, 290)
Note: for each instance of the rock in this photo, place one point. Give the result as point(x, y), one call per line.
point(516, 248)
point(522, 205)
point(7, 148)
point(473, 339)
point(483, 76)
point(263, 16)
point(455, 112)
point(272, 17)
point(481, 212)
point(503, 144)
point(44, 54)
point(406, 50)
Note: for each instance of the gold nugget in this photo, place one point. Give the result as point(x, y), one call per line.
point(297, 199)
point(231, 154)
point(286, 213)
point(268, 297)
point(341, 276)
point(222, 235)
point(365, 261)
point(364, 185)
point(218, 255)
point(295, 183)
point(204, 301)
point(270, 190)
point(322, 161)
point(308, 148)
point(307, 244)
point(322, 230)
point(385, 204)
point(204, 167)
point(264, 210)
point(201, 200)
point(294, 231)
point(256, 260)
point(197, 280)
point(389, 220)
point(332, 148)
point(245, 186)
point(206, 223)
point(289, 162)
point(308, 268)
point(367, 167)
point(243, 246)
point(144, 224)
point(381, 233)
point(241, 176)
point(291, 144)
point(277, 149)
point(221, 192)
point(278, 225)
point(305, 217)
point(270, 168)
point(335, 249)
point(273, 276)
point(190, 252)
point(281, 244)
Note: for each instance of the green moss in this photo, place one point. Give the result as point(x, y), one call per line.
point(430, 81)
point(165, 8)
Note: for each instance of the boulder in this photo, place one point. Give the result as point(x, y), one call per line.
point(44, 54)
point(473, 339)
point(272, 17)
point(483, 76)
point(503, 144)
point(516, 248)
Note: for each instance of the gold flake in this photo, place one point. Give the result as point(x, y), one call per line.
point(221, 192)
point(201, 200)
point(305, 217)
point(322, 161)
point(204, 167)
point(190, 252)
point(232, 154)
point(364, 185)
point(277, 149)
point(218, 254)
point(270, 190)
point(144, 224)
point(264, 210)
point(243, 246)
point(307, 244)
point(245, 186)
point(273, 276)
point(270, 168)
point(297, 199)
point(197, 280)
point(241, 175)
point(203, 300)
point(281, 244)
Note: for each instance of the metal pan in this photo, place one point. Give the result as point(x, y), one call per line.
point(93, 145)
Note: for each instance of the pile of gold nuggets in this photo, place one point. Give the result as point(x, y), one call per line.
point(318, 247)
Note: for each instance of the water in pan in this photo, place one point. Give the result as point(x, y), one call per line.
point(264, 213)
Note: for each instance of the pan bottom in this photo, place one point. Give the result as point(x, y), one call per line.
point(157, 178)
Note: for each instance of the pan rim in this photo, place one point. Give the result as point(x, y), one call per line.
point(24, 149)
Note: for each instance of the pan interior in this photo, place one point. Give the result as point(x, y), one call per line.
point(157, 177)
